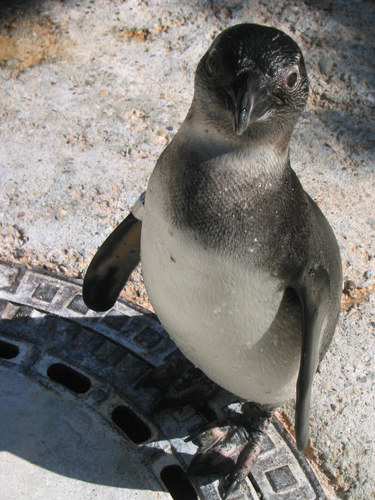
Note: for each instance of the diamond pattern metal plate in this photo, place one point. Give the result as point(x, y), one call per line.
point(49, 336)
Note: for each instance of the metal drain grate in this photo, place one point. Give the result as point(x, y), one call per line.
point(92, 362)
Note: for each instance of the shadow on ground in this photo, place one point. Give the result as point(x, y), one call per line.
point(70, 404)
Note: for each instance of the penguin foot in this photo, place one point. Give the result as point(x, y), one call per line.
point(180, 383)
point(230, 446)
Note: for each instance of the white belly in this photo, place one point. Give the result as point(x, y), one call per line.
point(219, 313)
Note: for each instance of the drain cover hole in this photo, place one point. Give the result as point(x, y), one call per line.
point(66, 376)
point(8, 351)
point(178, 486)
point(129, 422)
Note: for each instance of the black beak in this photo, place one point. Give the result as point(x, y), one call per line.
point(251, 99)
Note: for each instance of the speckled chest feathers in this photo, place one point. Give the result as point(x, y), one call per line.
point(241, 204)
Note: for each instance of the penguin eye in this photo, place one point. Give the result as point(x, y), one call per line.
point(292, 79)
point(213, 64)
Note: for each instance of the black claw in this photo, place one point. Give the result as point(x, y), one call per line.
point(228, 446)
point(229, 487)
point(231, 446)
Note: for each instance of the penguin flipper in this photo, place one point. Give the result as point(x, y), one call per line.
point(113, 263)
point(314, 295)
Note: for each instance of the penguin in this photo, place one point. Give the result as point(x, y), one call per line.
point(240, 264)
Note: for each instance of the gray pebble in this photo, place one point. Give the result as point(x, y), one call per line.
point(325, 65)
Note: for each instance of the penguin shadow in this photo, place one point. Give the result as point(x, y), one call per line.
point(73, 404)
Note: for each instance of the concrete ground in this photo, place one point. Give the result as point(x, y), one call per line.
point(47, 452)
point(91, 93)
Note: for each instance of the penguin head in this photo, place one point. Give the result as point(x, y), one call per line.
point(252, 82)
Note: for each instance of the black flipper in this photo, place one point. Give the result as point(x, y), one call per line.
point(112, 264)
point(314, 295)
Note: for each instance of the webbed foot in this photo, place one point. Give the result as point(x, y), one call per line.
point(228, 446)
point(231, 446)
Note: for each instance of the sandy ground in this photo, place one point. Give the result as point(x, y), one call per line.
point(91, 93)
